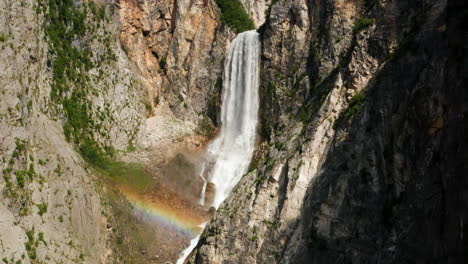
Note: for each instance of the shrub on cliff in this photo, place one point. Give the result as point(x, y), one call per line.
point(234, 15)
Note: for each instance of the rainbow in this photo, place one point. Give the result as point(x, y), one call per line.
point(163, 214)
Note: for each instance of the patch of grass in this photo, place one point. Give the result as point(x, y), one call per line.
point(129, 174)
point(20, 178)
point(20, 146)
point(4, 37)
point(42, 208)
point(363, 23)
point(148, 107)
point(41, 238)
point(234, 15)
point(8, 184)
point(31, 172)
point(163, 64)
point(355, 104)
point(31, 245)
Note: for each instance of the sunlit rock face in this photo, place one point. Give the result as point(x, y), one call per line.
point(167, 56)
point(360, 151)
point(179, 47)
point(51, 209)
point(257, 10)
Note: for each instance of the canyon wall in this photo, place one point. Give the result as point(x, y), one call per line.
point(179, 47)
point(364, 130)
point(78, 81)
point(50, 207)
point(361, 156)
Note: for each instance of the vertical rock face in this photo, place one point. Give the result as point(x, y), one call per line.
point(50, 208)
point(257, 10)
point(363, 124)
point(362, 156)
point(75, 72)
point(179, 48)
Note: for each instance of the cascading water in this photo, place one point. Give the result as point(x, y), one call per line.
point(205, 183)
point(229, 155)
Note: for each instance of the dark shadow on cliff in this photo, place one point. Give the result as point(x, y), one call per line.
point(395, 189)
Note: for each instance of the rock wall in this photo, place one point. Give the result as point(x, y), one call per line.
point(179, 48)
point(80, 76)
point(361, 157)
point(363, 128)
point(51, 210)
point(257, 10)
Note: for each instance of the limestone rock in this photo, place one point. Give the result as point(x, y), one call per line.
point(355, 169)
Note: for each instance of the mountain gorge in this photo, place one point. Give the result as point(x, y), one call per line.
point(108, 107)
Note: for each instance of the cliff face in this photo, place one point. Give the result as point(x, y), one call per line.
point(50, 209)
point(363, 130)
point(362, 150)
point(81, 77)
point(257, 10)
point(179, 48)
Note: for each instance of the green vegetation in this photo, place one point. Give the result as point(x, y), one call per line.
point(355, 104)
point(3, 37)
point(99, 12)
point(8, 184)
point(31, 172)
point(31, 245)
point(42, 208)
point(20, 176)
point(20, 146)
point(41, 238)
point(148, 107)
point(234, 15)
point(363, 23)
point(130, 174)
point(162, 64)
point(66, 22)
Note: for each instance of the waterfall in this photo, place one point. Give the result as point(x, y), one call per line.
point(229, 155)
point(231, 152)
point(205, 183)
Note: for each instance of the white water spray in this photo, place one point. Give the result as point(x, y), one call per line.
point(205, 183)
point(229, 155)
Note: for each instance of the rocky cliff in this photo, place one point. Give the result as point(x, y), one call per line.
point(50, 208)
point(179, 48)
point(78, 81)
point(363, 137)
point(362, 149)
